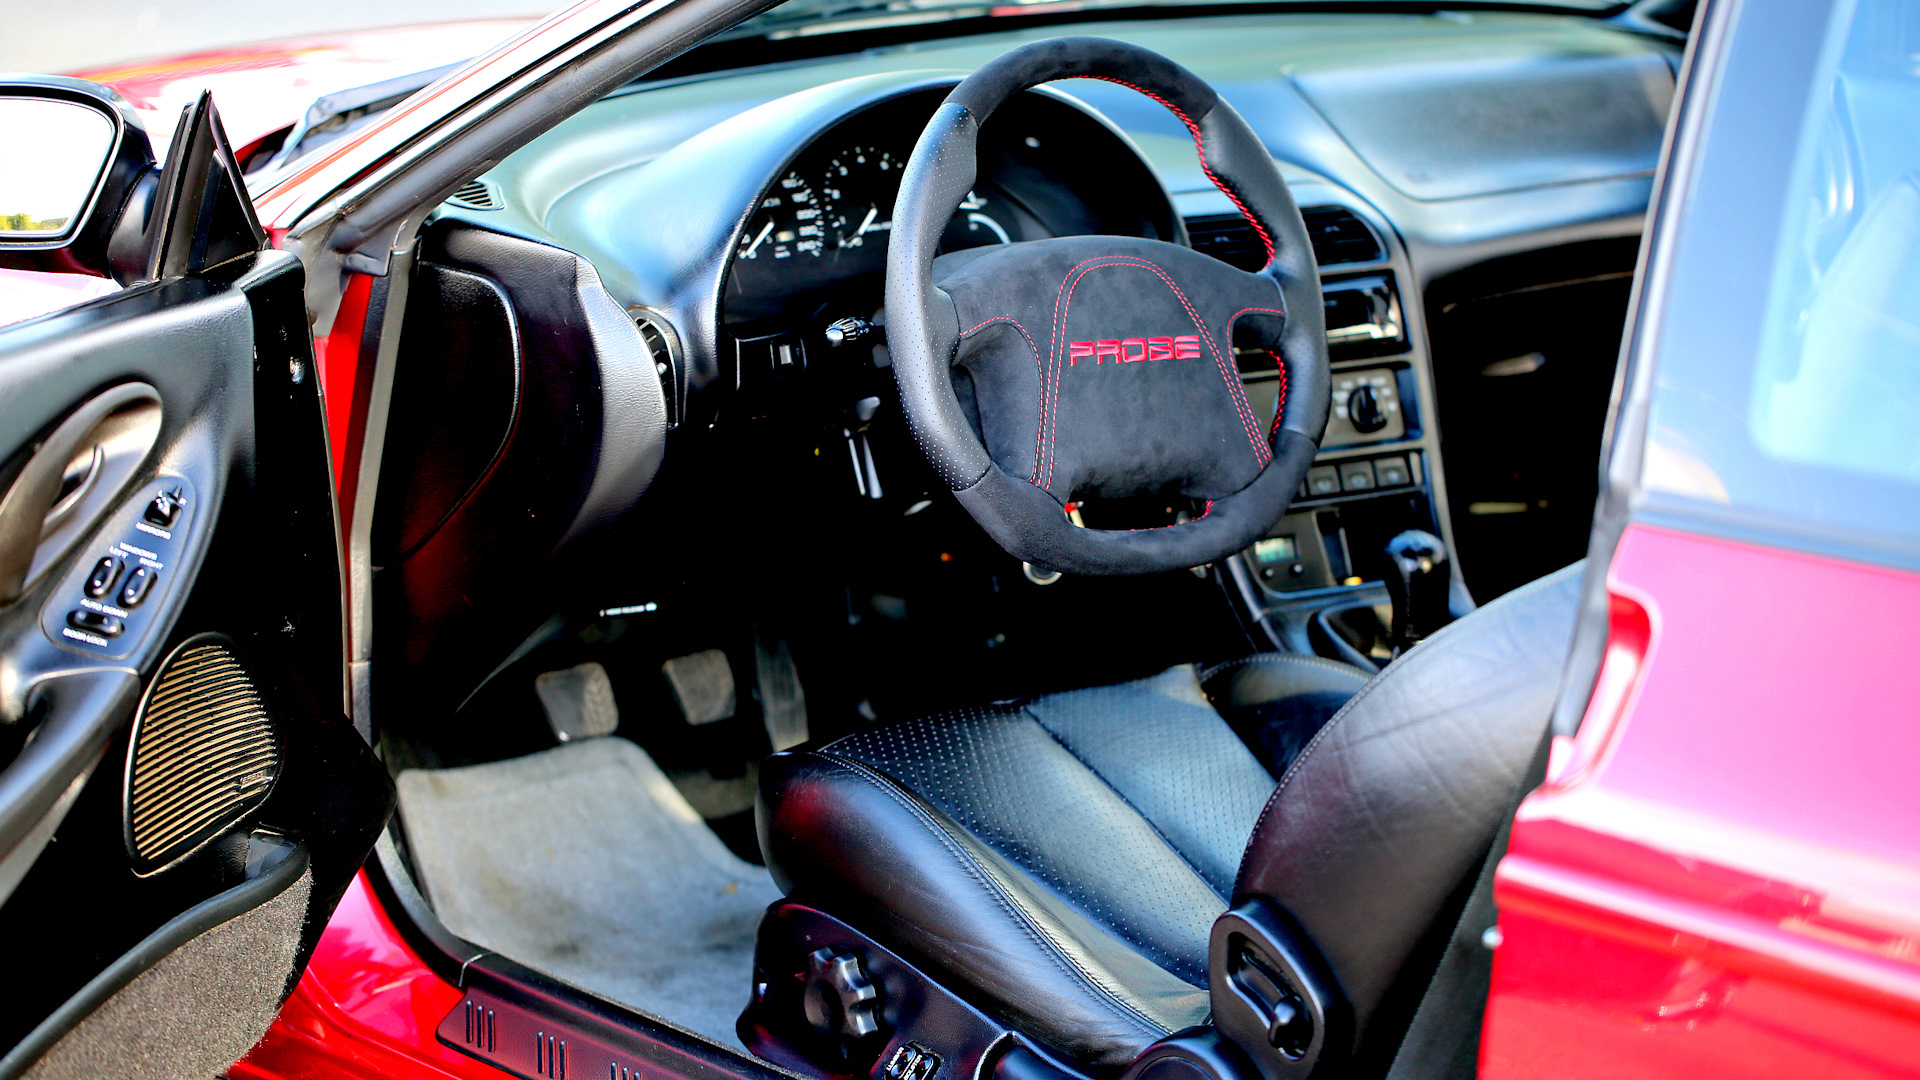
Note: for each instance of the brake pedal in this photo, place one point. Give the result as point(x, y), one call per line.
point(703, 685)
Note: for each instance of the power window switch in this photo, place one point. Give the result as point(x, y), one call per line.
point(139, 584)
point(1357, 476)
point(105, 573)
point(1392, 471)
point(1323, 480)
point(95, 622)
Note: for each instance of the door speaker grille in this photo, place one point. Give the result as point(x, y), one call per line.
point(204, 754)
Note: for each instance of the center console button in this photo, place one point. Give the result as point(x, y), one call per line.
point(1356, 475)
point(95, 622)
point(139, 584)
point(1323, 480)
point(1392, 471)
point(105, 573)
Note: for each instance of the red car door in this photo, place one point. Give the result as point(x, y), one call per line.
point(1721, 875)
point(182, 799)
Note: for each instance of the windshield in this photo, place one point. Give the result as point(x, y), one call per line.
point(801, 17)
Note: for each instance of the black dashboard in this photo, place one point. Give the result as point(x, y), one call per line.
point(819, 233)
point(1474, 184)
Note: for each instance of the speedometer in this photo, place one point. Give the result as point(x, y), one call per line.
point(788, 224)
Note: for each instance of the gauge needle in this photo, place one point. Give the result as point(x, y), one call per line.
point(755, 246)
point(865, 224)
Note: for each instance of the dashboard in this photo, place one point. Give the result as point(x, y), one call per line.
point(740, 219)
point(820, 229)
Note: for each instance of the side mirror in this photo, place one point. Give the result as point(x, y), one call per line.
point(78, 161)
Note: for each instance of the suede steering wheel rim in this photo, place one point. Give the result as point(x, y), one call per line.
point(1019, 418)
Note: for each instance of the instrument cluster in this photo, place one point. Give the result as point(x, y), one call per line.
point(827, 219)
point(815, 246)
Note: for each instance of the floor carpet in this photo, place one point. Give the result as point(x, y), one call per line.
point(584, 862)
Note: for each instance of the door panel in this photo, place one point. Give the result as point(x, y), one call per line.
point(182, 799)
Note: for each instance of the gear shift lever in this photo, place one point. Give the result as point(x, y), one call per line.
point(1419, 585)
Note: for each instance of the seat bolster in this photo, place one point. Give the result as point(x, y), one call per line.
point(1270, 676)
point(1278, 701)
point(1392, 805)
point(845, 837)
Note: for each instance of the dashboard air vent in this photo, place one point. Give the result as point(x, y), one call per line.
point(1227, 237)
point(1338, 236)
point(476, 195)
point(664, 349)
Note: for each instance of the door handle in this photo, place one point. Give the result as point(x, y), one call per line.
point(32, 507)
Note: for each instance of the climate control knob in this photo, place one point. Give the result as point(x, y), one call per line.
point(1363, 410)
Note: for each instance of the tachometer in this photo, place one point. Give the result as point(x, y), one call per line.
point(788, 223)
point(860, 184)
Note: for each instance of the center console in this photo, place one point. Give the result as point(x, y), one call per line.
point(1317, 582)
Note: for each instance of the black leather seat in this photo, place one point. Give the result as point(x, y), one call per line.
point(1059, 863)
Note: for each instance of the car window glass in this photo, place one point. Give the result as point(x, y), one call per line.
point(1811, 409)
point(1839, 376)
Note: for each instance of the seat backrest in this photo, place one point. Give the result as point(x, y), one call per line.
point(1392, 806)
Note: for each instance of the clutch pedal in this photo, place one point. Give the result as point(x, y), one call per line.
point(579, 701)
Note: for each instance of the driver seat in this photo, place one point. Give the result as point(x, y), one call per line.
point(1059, 865)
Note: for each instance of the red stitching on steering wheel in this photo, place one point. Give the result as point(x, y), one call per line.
point(1064, 300)
point(1200, 148)
point(1280, 406)
point(1050, 384)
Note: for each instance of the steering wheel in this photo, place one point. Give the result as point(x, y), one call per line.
point(1103, 367)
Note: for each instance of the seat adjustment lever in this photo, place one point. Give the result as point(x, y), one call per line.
point(1289, 1027)
point(1272, 995)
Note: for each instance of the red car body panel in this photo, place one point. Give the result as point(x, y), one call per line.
point(365, 1008)
point(338, 356)
point(1721, 875)
point(262, 88)
point(25, 294)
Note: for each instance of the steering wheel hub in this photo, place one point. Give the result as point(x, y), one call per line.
point(1043, 373)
